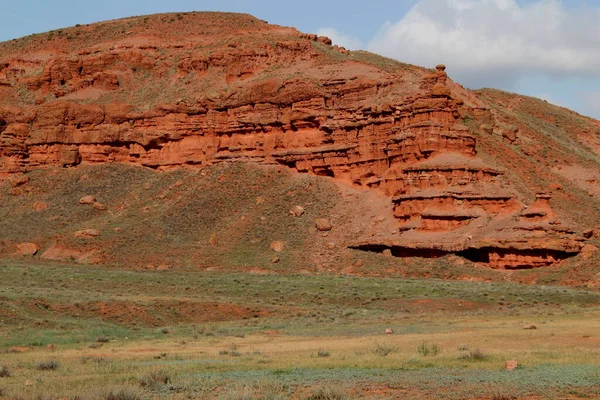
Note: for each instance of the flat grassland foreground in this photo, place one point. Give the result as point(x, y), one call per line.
point(99, 333)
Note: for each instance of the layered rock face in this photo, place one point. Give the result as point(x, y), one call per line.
point(233, 88)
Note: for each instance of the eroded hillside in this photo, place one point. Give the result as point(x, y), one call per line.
point(498, 179)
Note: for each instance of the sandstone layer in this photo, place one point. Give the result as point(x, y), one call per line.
point(195, 89)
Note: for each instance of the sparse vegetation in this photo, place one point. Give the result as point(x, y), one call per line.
point(328, 392)
point(474, 355)
point(384, 349)
point(155, 380)
point(323, 353)
point(426, 349)
point(122, 394)
point(4, 371)
point(50, 365)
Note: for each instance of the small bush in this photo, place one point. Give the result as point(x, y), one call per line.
point(328, 393)
point(122, 394)
point(270, 389)
point(474, 355)
point(383, 350)
point(155, 380)
point(503, 396)
point(428, 350)
point(4, 372)
point(47, 365)
point(323, 353)
point(240, 393)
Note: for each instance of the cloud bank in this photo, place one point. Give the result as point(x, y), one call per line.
point(495, 41)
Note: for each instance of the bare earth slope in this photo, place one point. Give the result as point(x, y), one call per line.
point(496, 178)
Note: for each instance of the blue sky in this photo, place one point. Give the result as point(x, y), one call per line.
point(545, 48)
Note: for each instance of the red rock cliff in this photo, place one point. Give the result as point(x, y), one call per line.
point(170, 91)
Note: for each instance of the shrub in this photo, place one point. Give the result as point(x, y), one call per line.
point(155, 380)
point(47, 365)
point(323, 353)
point(4, 372)
point(328, 393)
point(503, 396)
point(383, 350)
point(426, 350)
point(240, 393)
point(121, 394)
point(474, 355)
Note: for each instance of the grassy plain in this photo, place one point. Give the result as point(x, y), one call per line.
point(88, 332)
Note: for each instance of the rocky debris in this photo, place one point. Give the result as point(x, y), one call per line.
point(39, 206)
point(99, 206)
point(510, 133)
point(89, 199)
point(87, 233)
point(27, 249)
point(588, 233)
point(323, 224)
point(59, 252)
point(297, 211)
point(277, 246)
point(511, 365)
point(588, 251)
point(18, 180)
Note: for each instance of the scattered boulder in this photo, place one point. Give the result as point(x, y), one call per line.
point(387, 252)
point(89, 199)
point(388, 331)
point(325, 40)
point(556, 186)
point(588, 233)
point(511, 365)
point(511, 133)
point(39, 206)
point(212, 240)
point(18, 180)
point(530, 327)
point(297, 211)
point(277, 246)
point(27, 249)
point(87, 233)
point(58, 252)
point(323, 224)
point(99, 206)
point(588, 251)
point(486, 128)
point(275, 260)
point(331, 246)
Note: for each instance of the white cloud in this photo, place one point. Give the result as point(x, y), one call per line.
point(348, 41)
point(495, 42)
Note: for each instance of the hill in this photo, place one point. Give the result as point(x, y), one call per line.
point(198, 133)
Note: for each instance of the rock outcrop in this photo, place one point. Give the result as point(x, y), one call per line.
point(274, 95)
